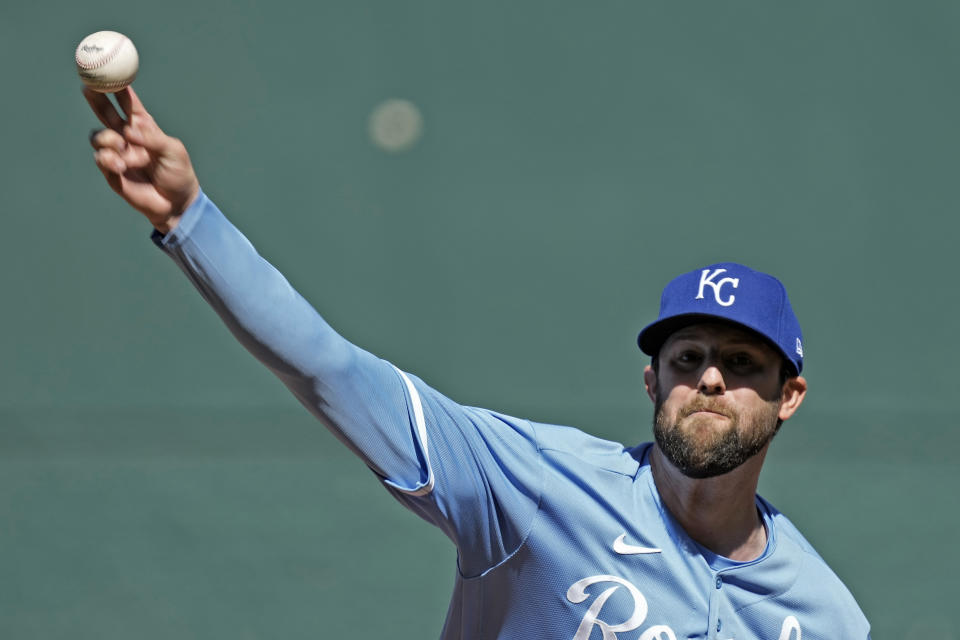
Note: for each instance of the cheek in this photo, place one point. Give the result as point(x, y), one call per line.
point(760, 410)
point(766, 387)
point(670, 404)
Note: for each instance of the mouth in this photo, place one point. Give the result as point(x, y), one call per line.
point(706, 412)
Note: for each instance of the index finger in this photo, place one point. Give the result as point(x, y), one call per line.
point(104, 109)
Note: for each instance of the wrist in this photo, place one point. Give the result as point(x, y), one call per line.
point(166, 223)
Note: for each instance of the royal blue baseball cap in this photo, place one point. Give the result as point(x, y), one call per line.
point(733, 293)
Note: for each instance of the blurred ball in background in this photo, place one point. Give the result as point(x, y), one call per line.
point(395, 125)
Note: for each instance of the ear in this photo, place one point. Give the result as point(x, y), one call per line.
point(791, 396)
point(650, 381)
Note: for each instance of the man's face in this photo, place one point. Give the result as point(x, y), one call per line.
point(718, 398)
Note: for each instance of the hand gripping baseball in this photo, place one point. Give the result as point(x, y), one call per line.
point(148, 168)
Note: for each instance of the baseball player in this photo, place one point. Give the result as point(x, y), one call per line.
point(559, 535)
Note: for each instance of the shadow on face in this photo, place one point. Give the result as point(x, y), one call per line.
point(718, 356)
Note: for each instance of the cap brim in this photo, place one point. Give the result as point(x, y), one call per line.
point(652, 337)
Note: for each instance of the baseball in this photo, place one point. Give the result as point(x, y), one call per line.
point(107, 61)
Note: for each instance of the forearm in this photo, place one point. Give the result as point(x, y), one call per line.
point(254, 299)
point(331, 377)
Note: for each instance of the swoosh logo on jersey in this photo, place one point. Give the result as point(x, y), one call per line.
point(624, 549)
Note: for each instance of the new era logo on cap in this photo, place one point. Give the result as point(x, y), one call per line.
point(731, 292)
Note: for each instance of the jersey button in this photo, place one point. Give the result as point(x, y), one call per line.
point(719, 582)
point(719, 624)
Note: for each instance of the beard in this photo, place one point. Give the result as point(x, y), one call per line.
point(708, 452)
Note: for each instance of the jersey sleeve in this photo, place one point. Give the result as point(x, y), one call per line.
point(474, 473)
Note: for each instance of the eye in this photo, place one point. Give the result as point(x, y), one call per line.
point(741, 361)
point(687, 358)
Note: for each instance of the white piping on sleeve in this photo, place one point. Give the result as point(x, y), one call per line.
point(426, 487)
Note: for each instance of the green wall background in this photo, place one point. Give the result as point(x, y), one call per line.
point(155, 481)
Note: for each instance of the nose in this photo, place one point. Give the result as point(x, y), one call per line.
point(711, 381)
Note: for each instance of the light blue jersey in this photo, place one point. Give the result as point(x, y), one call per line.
point(560, 535)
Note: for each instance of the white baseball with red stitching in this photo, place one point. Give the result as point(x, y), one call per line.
point(107, 61)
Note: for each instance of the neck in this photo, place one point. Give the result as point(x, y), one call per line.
point(720, 513)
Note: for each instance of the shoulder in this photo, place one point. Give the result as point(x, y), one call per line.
point(568, 443)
